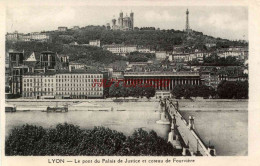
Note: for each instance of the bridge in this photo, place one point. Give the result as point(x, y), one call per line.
point(183, 135)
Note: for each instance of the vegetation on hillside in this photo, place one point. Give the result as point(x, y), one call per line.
point(153, 39)
point(70, 140)
point(94, 56)
point(85, 54)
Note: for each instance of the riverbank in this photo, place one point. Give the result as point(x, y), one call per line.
point(184, 104)
point(123, 100)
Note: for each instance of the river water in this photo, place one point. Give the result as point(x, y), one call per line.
point(225, 129)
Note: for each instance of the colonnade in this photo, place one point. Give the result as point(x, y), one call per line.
point(163, 83)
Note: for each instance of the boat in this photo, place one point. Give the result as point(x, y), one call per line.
point(10, 108)
point(121, 110)
point(61, 109)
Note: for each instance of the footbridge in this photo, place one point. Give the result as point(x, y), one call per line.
point(183, 135)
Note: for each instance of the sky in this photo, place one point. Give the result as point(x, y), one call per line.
point(219, 21)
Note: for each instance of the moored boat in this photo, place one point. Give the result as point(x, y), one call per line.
point(10, 108)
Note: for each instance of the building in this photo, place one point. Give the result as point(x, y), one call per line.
point(143, 49)
point(12, 36)
point(47, 60)
point(210, 45)
point(239, 54)
point(62, 29)
point(76, 66)
point(62, 62)
point(75, 28)
point(25, 38)
point(95, 43)
point(161, 55)
point(124, 23)
point(209, 78)
point(7, 74)
point(157, 78)
point(35, 36)
point(16, 69)
point(120, 49)
point(36, 85)
point(77, 84)
point(180, 57)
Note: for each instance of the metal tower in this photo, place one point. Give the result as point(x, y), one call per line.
point(187, 21)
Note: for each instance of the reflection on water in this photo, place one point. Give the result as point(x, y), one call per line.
point(226, 130)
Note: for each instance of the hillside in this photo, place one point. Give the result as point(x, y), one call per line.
point(94, 56)
point(154, 39)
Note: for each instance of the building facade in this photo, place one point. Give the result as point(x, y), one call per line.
point(120, 48)
point(62, 29)
point(63, 85)
point(95, 43)
point(159, 79)
point(35, 36)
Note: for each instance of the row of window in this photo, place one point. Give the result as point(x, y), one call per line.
point(88, 89)
point(79, 93)
point(79, 76)
point(79, 80)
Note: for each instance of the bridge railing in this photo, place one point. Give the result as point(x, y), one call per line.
point(189, 135)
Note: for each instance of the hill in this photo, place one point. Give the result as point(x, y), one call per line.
point(89, 55)
point(154, 39)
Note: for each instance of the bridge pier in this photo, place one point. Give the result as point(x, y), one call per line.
point(163, 117)
point(191, 123)
point(173, 137)
point(211, 150)
point(185, 150)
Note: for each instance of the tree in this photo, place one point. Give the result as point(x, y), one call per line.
point(227, 89)
point(178, 91)
point(69, 140)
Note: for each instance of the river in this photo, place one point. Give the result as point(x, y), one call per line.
point(226, 126)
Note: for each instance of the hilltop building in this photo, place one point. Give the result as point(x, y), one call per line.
point(34, 36)
point(75, 28)
point(120, 49)
point(62, 29)
point(95, 43)
point(124, 23)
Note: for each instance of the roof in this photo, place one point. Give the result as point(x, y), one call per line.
point(118, 45)
point(65, 72)
point(31, 58)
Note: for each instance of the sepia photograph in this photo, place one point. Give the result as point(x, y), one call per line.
point(126, 81)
